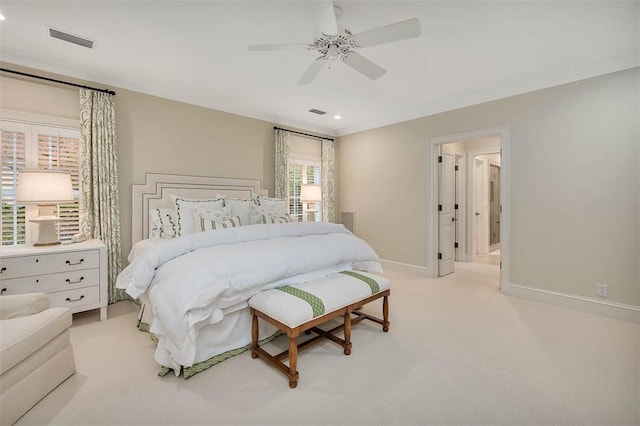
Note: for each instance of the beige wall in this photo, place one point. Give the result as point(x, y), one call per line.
point(158, 135)
point(575, 184)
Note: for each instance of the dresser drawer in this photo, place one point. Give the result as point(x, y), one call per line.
point(75, 299)
point(52, 282)
point(25, 266)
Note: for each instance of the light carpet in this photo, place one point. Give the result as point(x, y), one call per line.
point(458, 352)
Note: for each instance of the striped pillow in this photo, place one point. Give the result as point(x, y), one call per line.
point(203, 224)
point(274, 219)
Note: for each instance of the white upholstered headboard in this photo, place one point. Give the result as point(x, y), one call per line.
point(157, 190)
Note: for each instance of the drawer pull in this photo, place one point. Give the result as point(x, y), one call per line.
point(77, 263)
point(75, 300)
point(3, 269)
point(74, 282)
point(3, 290)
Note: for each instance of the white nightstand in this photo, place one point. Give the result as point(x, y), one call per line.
point(74, 275)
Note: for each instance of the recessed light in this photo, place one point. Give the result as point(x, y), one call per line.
point(337, 117)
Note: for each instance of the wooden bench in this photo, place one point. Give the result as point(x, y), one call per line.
point(301, 308)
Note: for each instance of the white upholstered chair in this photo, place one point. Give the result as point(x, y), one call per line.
point(35, 352)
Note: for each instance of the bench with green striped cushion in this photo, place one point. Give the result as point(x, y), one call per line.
point(297, 304)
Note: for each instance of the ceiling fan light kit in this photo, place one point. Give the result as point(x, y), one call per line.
point(339, 43)
point(334, 47)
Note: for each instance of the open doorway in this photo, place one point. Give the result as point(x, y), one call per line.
point(479, 193)
point(486, 205)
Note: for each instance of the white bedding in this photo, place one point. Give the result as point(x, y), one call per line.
point(198, 279)
point(142, 246)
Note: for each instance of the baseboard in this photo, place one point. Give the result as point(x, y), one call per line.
point(405, 267)
point(615, 310)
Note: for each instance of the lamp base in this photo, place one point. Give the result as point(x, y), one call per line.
point(47, 235)
point(311, 215)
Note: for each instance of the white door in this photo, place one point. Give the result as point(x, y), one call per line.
point(446, 211)
point(481, 205)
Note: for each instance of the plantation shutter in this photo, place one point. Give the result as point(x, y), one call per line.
point(12, 159)
point(295, 183)
point(59, 150)
point(313, 175)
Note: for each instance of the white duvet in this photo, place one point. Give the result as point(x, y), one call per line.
point(193, 281)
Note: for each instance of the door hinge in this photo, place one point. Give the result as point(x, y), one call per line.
point(439, 158)
point(501, 265)
point(455, 245)
point(455, 168)
point(439, 256)
point(455, 206)
point(439, 207)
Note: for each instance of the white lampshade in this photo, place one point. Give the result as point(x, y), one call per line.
point(44, 187)
point(310, 193)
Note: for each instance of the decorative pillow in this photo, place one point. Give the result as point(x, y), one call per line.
point(273, 219)
point(184, 212)
point(163, 223)
point(209, 224)
point(276, 207)
point(239, 207)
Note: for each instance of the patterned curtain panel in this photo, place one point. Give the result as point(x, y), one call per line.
point(328, 175)
point(100, 204)
point(282, 156)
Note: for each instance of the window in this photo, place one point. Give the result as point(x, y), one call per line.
point(301, 172)
point(27, 145)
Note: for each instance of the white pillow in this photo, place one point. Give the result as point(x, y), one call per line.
point(239, 207)
point(273, 219)
point(163, 223)
point(276, 207)
point(184, 212)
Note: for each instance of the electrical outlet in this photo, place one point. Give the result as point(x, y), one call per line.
point(603, 290)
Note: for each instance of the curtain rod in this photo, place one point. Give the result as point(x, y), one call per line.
point(303, 134)
point(111, 92)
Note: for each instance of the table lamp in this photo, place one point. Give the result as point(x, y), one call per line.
point(46, 189)
point(310, 194)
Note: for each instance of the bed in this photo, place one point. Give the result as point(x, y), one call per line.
point(202, 246)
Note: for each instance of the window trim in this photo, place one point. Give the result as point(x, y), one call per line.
point(39, 119)
point(33, 121)
point(306, 160)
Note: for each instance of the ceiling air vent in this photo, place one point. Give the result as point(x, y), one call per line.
point(71, 38)
point(317, 111)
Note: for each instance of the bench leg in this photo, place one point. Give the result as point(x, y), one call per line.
point(293, 362)
point(385, 314)
point(347, 333)
point(254, 335)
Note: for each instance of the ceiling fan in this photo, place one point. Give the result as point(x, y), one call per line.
point(338, 43)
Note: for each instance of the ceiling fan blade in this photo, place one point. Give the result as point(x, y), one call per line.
point(269, 47)
point(392, 32)
point(364, 66)
point(325, 16)
point(313, 70)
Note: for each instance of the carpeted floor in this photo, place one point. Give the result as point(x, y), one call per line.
point(458, 352)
